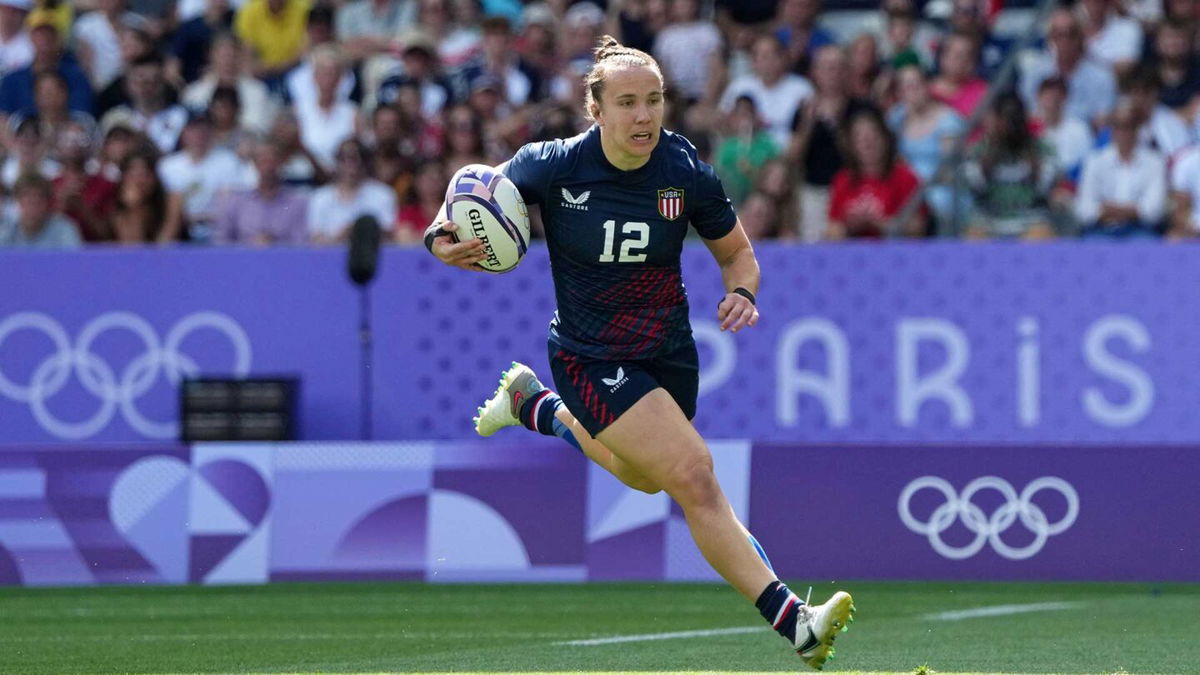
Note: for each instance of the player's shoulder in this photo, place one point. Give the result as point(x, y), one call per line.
point(555, 150)
point(683, 159)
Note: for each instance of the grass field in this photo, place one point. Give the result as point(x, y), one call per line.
point(1089, 628)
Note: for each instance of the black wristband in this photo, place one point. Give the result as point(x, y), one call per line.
point(745, 294)
point(432, 233)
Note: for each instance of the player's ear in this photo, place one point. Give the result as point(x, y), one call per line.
point(595, 110)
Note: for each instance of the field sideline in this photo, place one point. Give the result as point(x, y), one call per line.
point(408, 627)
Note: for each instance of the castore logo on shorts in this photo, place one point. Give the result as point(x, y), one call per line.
point(988, 529)
point(115, 391)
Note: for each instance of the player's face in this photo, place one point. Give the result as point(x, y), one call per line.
point(630, 115)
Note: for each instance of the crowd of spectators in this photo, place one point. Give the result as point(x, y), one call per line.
point(283, 121)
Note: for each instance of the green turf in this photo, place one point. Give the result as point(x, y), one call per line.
point(416, 627)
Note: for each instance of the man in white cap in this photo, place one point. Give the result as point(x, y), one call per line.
point(16, 51)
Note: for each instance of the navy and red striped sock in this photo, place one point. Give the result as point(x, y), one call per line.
point(537, 414)
point(780, 607)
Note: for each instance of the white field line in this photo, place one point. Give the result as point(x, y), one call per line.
point(647, 637)
point(1000, 610)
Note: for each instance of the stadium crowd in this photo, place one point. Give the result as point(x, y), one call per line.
point(283, 121)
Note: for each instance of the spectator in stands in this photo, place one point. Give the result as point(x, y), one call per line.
point(270, 213)
point(274, 30)
point(538, 43)
point(452, 28)
point(1122, 193)
point(195, 177)
point(148, 110)
point(192, 42)
point(392, 168)
point(1011, 176)
point(875, 185)
point(635, 22)
point(777, 180)
point(1113, 41)
point(464, 139)
point(499, 58)
point(957, 84)
point(16, 89)
point(83, 195)
point(135, 44)
point(327, 120)
point(796, 26)
point(863, 67)
point(34, 223)
point(1091, 88)
point(365, 28)
point(29, 153)
point(743, 151)
point(760, 217)
point(352, 194)
point(1161, 128)
point(97, 40)
point(973, 17)
point(1184, 179)
point(926, 130)
point(814, 143)
point(51, 113)
point(300, 167)
point(16, 50)
point(225, 109)
point(582, 25)
point(141, 201)
point(227, 69)
point(1177, 66)
point(300, 85)
point(421, 70)
point(422, 203)
point(777, 93)
point(1070, 138)
point(118, 143)
point(685, 48)
point(899, 45)
point(419, 136)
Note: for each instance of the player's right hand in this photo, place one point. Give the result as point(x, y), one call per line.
point(462, 254)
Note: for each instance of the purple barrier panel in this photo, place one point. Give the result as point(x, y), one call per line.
point(93, 344)
point(95, 515)
point(510, 509)
point(861, 343)
point(1061, 513)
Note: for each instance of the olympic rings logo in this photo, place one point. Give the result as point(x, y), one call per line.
point(988, 529)
point(99, 379)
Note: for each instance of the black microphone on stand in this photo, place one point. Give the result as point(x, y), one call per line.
point(362, 263)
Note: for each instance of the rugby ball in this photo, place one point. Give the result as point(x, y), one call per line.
point(484, 203)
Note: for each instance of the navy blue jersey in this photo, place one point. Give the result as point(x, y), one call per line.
point(615, 239)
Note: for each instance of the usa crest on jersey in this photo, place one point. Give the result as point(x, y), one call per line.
point(670, 203)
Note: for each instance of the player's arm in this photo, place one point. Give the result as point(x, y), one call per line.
point(740, 274)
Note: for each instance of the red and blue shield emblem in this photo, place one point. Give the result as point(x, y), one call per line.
point(670, 203)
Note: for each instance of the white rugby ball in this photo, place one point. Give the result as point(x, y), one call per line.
point(484, 203)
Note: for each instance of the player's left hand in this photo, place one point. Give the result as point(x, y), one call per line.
point(736, 312)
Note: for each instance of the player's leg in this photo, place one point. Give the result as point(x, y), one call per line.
point(655, 438)
point(521, 399)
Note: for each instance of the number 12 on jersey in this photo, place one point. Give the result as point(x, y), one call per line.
point(635, 237)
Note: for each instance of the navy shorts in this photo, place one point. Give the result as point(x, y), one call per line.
point(598, 391)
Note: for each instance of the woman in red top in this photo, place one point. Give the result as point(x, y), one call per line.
point(874, 185)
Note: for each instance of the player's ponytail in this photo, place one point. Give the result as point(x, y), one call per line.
point(611, 54)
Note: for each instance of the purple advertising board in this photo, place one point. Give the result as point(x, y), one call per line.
point(520, 508)
point(934, 343)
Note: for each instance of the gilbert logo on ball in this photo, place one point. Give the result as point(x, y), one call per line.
point(485, 204)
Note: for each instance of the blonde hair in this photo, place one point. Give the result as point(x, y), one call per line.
point(612, 55)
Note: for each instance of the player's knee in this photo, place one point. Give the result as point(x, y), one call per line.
point(693, 484)
point(643, 484)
